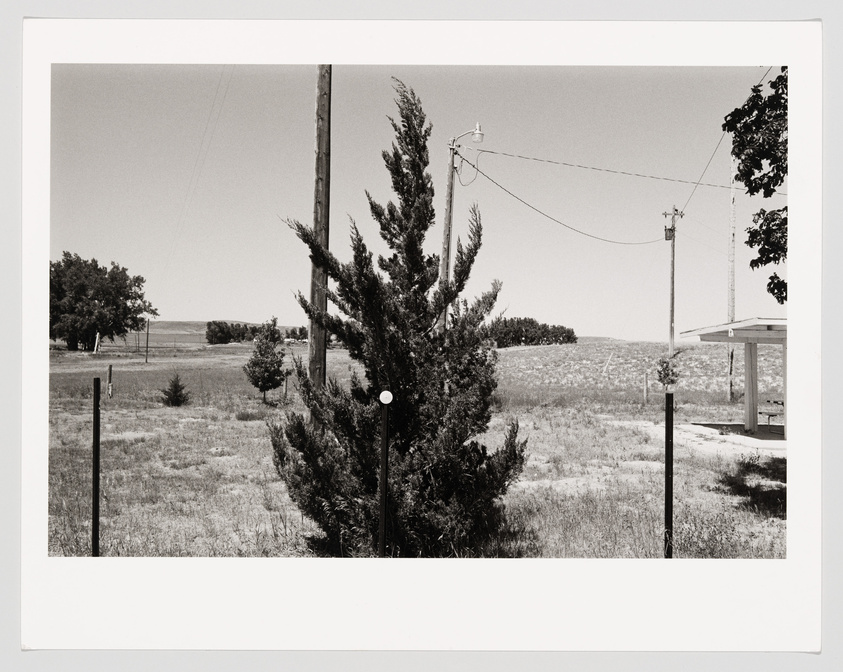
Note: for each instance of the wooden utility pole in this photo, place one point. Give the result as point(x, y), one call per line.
point(731, 284)
point(317, 341)
point(670, 234)
point(445, 259)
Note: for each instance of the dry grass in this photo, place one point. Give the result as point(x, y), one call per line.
point(199, 480)
point(592, 489)
point(610, 375)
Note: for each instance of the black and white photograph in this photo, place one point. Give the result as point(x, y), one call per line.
point(478, 318)
point(248, 279)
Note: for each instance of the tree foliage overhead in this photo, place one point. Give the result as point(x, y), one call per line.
point(759, 143)
point(86, 299)
point(444, 486)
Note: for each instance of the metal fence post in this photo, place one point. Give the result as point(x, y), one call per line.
point(385, 399)
point(668, 474)
point(95, 489)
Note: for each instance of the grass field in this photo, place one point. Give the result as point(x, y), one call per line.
point(198, 480)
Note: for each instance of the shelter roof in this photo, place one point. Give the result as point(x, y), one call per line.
point(753, 330)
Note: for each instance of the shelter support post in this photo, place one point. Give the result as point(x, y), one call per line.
point(784, 379)
point(751, 387)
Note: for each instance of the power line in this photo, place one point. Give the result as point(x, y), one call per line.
point(553, 219)
point(201, 157)
point(710, 159)
point(604, 170)
point(699, 182)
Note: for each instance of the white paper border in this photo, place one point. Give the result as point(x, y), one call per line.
point(75, 603)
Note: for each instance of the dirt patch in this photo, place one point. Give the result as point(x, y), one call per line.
point(708, 439)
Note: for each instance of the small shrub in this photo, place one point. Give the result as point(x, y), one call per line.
point(249, 415)
point(175, 394)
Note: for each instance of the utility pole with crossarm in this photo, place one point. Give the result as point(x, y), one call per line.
point(669, 234)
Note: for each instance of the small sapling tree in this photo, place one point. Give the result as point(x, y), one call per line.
point(265, 368)
point(666, 372)
point(175, 394)
point(444, 486)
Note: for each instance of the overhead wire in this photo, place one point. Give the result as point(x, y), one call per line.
point(699, 182)
point(604, 170)
point(201, 156)
point(553, 219)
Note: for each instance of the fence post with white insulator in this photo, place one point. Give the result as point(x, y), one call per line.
point(385, 399)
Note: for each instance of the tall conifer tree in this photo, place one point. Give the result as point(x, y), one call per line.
point(444, 486)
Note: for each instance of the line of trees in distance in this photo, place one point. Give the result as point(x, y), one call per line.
point(509, 331)
point(218, 332)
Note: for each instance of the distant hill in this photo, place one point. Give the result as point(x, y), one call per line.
point(597, 339)
point(192, 327)
point(177, 327)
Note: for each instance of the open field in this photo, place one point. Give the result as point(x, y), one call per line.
point(165, 339)
point(198, 480)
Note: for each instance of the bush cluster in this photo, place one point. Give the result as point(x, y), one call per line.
point(219, 333)
point(506, 332)
point(297, 333)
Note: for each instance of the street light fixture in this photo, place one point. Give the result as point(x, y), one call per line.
point(445, 260)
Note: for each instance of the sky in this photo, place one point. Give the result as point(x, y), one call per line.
point(186, 174)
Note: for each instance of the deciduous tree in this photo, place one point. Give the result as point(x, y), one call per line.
point(86, 299)
point(759, 143)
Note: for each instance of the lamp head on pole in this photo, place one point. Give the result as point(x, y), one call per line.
point(476, 135)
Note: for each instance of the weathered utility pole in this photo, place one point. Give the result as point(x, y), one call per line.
point(445, 259)
point(317, 340)
point(670, 234)
point(731, 283)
